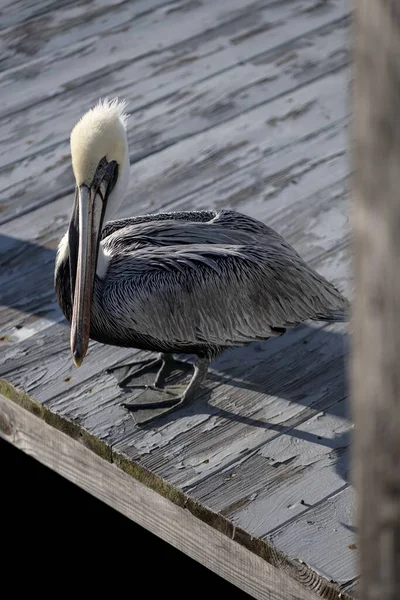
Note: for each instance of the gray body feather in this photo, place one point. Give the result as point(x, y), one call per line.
point(199, 282)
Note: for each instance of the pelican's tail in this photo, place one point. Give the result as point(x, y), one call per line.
point(340, 315)
point(336, 308)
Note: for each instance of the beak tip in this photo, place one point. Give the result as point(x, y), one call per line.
point(77, 358)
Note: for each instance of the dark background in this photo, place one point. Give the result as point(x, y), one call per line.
point(56, 537)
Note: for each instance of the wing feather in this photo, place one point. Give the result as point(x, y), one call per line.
point(221, 294)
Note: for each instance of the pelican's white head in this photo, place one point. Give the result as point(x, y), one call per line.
point(100, 161)
point(101, 134)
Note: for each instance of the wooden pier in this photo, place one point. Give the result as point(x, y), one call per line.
point(241, 104)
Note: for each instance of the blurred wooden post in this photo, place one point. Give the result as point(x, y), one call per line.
point(376, 312)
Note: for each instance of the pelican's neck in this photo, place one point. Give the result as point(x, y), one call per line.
point(114, 202)
point(62, 251)
point(117, 196)
point(103, 261)
point(63, 255)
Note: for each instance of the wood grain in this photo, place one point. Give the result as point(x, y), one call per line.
point(246, 29)
point(13, 12)
point(311, 530)
point(305, 463)
point(42, 32)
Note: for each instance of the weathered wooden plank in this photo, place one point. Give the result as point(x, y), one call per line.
point(269, 187)
point(159, 515)
point(13, 12)
point(272, 178)
point(286, 477)
point(305, 538)
point(250, 394)
point(179, 109)
point(67, 23)
point(194, 163)
point(21, 182)
point(293, 471)
point(124, 44)
point(235, 34)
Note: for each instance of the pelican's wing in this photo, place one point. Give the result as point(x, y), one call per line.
point(194, 216)
point(226, 228)
point(174, 233)
point(224, 219)
point(222, 295)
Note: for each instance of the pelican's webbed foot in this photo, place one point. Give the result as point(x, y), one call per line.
point(171, 400)
point(163, 367)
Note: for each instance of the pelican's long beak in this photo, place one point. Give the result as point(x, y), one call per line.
point(84, 239)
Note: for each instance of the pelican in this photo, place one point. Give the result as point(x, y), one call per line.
point(195, 282)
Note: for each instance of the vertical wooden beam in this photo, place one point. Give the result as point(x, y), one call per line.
point(376, 309)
